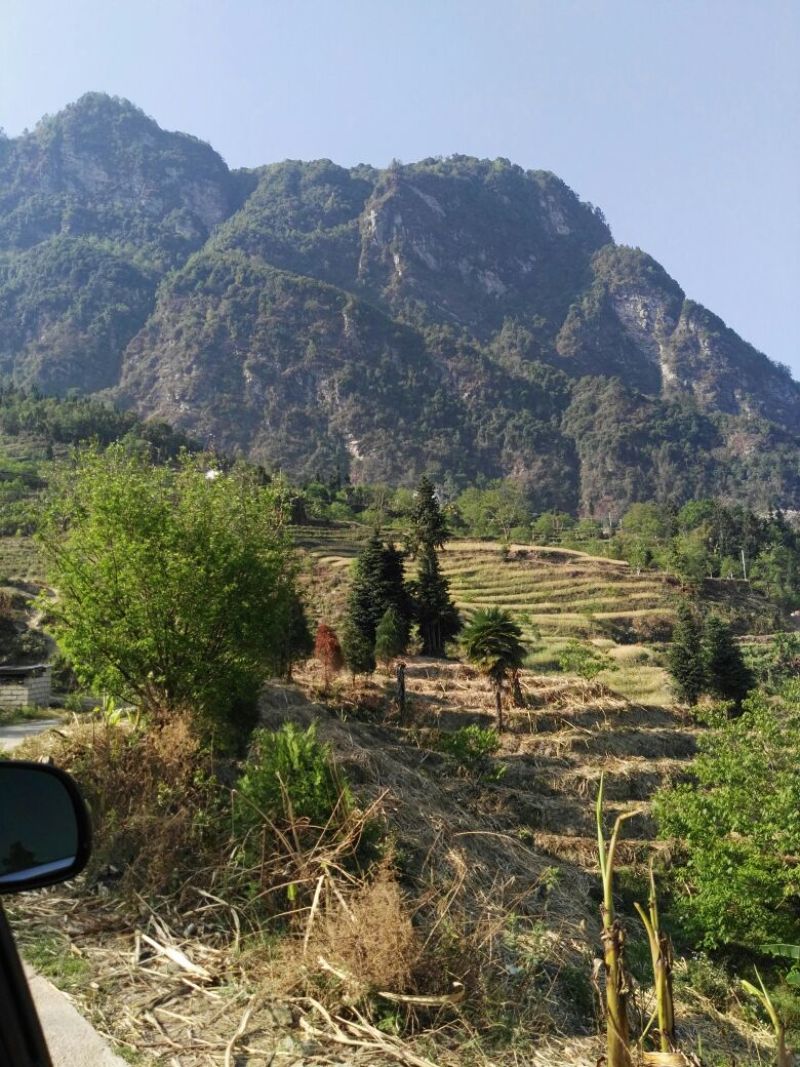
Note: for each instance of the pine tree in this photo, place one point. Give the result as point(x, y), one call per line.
point(727, 676)
point(685, 656)
point(378, 583)
point(328, 651)
point(429, 527)
point(391, 636)
point(358, 650)
point(297, 644)
point(435, 612)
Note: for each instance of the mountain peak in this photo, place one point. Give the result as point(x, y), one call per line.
point(464, 317)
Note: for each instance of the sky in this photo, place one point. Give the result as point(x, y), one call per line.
point(679, 118)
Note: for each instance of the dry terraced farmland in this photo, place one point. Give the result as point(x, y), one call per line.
point(555, 595)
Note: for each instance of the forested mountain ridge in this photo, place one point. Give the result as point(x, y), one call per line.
point(460, 316)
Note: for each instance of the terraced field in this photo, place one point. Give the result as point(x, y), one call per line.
point(555, 595)
point(554, 592)
point(557, 748)
point(19, 560)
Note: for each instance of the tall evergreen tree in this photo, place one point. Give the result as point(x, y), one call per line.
point(685, 656)
point(359, 650)
point(391, 637)
point(727, 675)
point(429, 527)
point(378, 584)
point(434, 609)
point(296, 642)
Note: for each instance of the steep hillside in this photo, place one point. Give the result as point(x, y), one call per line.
point(497, 864)
point(458, 316)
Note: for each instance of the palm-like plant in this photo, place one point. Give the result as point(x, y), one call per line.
point(491, 642)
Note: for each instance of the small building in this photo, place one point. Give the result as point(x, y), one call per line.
point(28, 686)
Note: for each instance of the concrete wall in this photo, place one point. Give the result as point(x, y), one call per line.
point(27, 692)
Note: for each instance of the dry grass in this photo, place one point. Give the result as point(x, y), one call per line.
point(472, 937)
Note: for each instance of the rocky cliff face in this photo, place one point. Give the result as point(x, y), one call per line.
point(459, 316)
point(102, 168)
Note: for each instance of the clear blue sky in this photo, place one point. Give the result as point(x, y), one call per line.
point(680, 118)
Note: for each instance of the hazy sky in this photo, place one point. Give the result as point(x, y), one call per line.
point(680, 118)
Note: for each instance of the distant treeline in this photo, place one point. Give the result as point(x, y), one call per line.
point(35, 429)
point(702, 539)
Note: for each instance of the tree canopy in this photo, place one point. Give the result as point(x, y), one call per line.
point(172, 588)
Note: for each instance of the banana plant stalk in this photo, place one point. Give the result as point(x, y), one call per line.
point(785, 1058)
point(661, 954)
point(617, 1036)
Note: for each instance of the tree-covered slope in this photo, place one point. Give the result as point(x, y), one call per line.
point(460, 316)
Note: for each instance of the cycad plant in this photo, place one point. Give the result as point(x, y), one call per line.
point(491, 642)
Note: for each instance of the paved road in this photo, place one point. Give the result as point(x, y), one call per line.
point(11, 736)
point(72, 1041)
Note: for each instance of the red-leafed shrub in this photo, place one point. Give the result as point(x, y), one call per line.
point(328, 651)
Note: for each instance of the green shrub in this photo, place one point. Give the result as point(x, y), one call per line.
point(290, 775)
point(472, 748)
point(738, 823)
point(583, 660)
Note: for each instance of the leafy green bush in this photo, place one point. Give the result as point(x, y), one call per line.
point(472, 748)
point(290, 775)
point(583, 660)
point(174, 589)
point(738, 821)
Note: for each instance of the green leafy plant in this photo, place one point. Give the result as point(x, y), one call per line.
point(473, 748)
point(785, 1058)
point(737, 827)
point(173, 588)
point(291, 771)
point(492, 643)
point(583, 660)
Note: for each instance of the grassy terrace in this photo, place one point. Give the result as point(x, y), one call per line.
point(555, 595)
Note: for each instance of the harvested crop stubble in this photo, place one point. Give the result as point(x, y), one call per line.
point(467, 894)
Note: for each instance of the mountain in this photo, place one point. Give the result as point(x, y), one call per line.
point(459, 316)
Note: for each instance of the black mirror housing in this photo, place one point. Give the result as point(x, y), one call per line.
point(45, 832)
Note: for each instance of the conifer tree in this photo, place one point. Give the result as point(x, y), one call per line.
point(359, 650)
point(727, 676)
point(296, 643)
point(429, 527)
point(435, 611)
point(391, 637)
point(378, 584)
point(685, 656)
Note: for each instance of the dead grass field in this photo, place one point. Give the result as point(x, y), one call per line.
point(495, 880)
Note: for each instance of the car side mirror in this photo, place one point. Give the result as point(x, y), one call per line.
point(45, 833)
